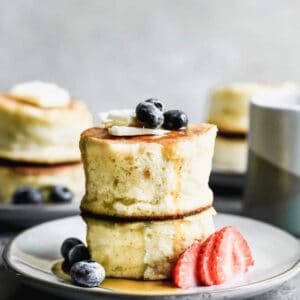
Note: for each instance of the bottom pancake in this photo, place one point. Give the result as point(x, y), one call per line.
point(230, 154)
point(14, 175)
point(144, 250)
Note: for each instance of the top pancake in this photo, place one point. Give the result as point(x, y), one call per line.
point(147, 177)
point(229, 105)
point(29, 133)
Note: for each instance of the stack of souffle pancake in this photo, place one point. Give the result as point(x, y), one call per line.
point(39, 134)
point(147, 198)
point(229, 110)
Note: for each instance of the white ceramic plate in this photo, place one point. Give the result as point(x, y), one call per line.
point(28, 215)
point(32, 254)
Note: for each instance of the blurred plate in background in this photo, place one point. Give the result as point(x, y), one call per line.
point(23, 216)
point(227, 182)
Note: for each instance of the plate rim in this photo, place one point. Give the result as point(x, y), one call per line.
point(28, 215)
point(271, 282)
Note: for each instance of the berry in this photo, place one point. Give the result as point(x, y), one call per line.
point(175, 119)
point(67, 245)
point(27, 195)
point(156, 103)
point(185, 270)
point(61, 194)
point(223, 256)
point(66, 266)
point(87, 274)
point(148, 114)
point(78, 253)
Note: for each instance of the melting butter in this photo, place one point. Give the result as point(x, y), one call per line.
point(119, 117)
point(135, 131)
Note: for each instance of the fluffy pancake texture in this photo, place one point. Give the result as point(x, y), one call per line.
point(13, 176)
point(144, 250)
point(147, 176)
point(41, 135)
point(230, 154)
point(229, 106)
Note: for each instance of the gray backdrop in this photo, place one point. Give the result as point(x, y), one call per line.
point(116, 53)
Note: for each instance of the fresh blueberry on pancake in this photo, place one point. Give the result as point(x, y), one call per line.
point(78, 253)
point(175, 119)
point(149, 114)
point(87, 274)
point(61, 194)
point(68, 244)
point(156, 102)
point(27, 195)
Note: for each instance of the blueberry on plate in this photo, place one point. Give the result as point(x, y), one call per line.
point(175, 119)
point(148, 114)
point(61, 194)
point(27, 195)
point(65, 266)
point(68, 244)
point(87, 274)
point(156, 103)
point(78, 253)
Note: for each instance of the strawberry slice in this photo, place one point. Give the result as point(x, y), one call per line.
point(203, 273)
point(185, 269)
point(223, 256)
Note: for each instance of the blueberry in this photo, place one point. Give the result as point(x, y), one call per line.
point(175, 119)
point(149, 114)
point(66, 266)
point(27, 195)
point(78, 253)
point(156, 103)
point(87, 274)
point(61, 194)
point(68, 244)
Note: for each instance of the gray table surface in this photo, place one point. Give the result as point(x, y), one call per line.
point(12, 289)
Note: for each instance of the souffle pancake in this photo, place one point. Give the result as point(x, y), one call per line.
point(144, 250)
point(229, 105)
point(229, 110)
point(148, 177)
point(17, 175)
point(147, 196)
point(230, 153)
point(39, 132)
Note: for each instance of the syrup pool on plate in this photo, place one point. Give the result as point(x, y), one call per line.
point(125, 285)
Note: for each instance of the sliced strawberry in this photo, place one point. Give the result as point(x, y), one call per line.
point(203, 273)
point(242, 249)
point(223, 256)
point(224, 264)
point(185, 269)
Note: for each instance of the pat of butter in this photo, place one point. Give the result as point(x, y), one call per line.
point(120, 117)
point(40, 93)
point(135, 131)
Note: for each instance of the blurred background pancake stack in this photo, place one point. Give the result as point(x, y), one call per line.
point(39, 134)
point(229, 110)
